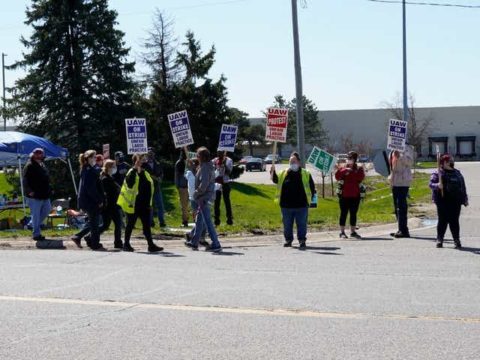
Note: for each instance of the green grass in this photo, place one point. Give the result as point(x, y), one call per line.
point(256, 213)
point(426, 165)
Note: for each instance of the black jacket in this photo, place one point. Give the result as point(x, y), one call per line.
point(144, 196)
point(180, 180)
point(36, 180)
point(293, 194)
point(90, 192)
point(111, 189)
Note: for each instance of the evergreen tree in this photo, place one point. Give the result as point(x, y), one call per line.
point(78, 88)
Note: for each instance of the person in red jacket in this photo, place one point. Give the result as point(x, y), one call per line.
point(349, 178)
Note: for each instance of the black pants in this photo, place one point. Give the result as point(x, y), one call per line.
point(226, 198)
point(109, 215)
point(349, 205)
point(448, 214)
point(93, 219)
point(145, 215)
point(400, 194)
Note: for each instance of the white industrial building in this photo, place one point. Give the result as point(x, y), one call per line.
point(453, 129)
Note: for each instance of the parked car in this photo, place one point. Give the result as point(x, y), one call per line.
point(341, 158)
point(269, 159)
point(363, 158)
point(245, 159)
point(256, 164)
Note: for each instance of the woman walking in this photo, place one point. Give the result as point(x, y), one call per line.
point(349, 179)
point(111, 211)
point(449, 193)
point(295, 189)
point(90, 199)
point(203, 196)
point(136, 200)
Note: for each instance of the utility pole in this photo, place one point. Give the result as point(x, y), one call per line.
point(298, 83)
point(405, 88)
point(4, 101)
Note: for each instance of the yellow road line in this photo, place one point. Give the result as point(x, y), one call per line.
point(237, 310)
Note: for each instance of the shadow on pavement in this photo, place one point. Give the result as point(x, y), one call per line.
point(162, 254)
point(373, 239)
point(228, 253)
point(470, 249)
point(325, 253)
point(325, 248)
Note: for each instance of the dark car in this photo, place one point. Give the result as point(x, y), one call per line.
point(245, 159)
point(269, 159)
point(256, 164)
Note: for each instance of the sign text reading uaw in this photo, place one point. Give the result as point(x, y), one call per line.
point(397, 135)
point(136, 136)
point(228, 138)
point(180, 127)
point(277, 122)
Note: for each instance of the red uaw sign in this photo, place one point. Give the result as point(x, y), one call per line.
point(277, 121)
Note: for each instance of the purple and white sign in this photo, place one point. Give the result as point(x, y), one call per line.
point(136, 136)
point(180, 127)
point(228, 138)
point(397, 135)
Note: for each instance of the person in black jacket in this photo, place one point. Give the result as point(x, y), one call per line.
point(111, 211)
point(36, 182)
point(155, 170)
point(91, 197)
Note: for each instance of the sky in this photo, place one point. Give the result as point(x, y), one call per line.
point(351, 49)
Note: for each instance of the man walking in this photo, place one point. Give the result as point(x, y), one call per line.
point(36, 182)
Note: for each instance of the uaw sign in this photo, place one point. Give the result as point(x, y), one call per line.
point(277, 122)
point(397, 135)
point(136, 136)
point(180, 127)
point(228, 138)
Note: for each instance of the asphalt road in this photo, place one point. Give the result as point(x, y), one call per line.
point(376, 298)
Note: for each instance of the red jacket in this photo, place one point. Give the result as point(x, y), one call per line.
point(351, 181)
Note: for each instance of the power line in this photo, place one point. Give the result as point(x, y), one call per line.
point(428, 4)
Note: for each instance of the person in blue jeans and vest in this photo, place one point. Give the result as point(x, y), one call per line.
point(400, 179)
point(449, 195)
point(295, 189)
point(203, 196)
point(36, 182)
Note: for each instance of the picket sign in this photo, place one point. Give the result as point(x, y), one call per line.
point(276, 129)
point(397, 135)
point(136, 130)
point(180, 128)
point(228, 138)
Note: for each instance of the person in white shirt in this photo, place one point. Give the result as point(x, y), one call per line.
point(190, 177)
point(223, 168)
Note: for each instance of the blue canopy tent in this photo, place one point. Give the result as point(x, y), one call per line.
point(16, 147)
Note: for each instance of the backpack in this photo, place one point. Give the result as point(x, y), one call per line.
point(453, 185)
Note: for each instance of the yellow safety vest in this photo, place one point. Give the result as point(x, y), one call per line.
point(305, 181)
point(127, 197)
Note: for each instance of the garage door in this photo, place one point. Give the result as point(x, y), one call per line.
point(465, 148)
point(440, 146)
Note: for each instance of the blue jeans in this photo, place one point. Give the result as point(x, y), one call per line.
point(158, 205)
point(400, 194)
point(194, 207)
point(39, 210)
point(204, 219)
point(299, 216)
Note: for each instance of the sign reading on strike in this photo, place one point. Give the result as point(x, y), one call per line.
point(322, 160)
point(397, 135)
point(228, 138)
point(277, 121)
point(106, 151)
point(180, 127)
point(136, 136)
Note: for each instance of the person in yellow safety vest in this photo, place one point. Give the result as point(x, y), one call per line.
point(295, 189)
point(135, 199)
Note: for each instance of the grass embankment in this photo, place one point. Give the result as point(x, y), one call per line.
point(426, 165)
point(256, 213)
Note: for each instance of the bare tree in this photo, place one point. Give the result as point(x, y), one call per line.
point(418, 127)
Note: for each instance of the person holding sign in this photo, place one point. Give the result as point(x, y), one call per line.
point(136, 200)
point(449, 193)
point(295, 189)
point(400, 180)
point(223, 169)
point(350, 177)
point(203, 195)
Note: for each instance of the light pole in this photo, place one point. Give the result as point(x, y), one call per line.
point(405, 88)
point(4, 101)
point(298, 83)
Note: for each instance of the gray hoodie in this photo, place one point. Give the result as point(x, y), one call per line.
point(401, 175)
point(205, 183)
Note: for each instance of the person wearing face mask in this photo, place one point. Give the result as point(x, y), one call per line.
point(295, 189)
point(99, 162)
point(449, 193)
point(90, 199)
point(111, 211)
point(136, 200)
point(352, 175)
point(36, 182)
